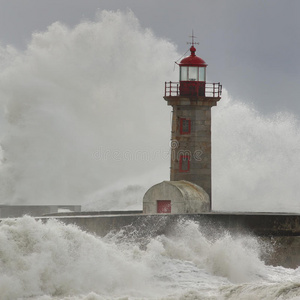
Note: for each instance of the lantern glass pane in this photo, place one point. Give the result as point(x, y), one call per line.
point(183, 73)
point(202, 74)
point(193, 73)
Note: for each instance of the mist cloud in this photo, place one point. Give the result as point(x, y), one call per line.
point(83, 119)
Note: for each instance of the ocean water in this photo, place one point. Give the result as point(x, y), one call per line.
point(56, 261)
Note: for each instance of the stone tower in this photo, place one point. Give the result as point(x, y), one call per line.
point(192, 99)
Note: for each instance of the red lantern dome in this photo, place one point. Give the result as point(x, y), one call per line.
point(193, 60)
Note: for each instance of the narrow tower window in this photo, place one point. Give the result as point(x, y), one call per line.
point(184, 163)
point(185, 126)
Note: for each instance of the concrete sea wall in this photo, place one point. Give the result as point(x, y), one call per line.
point(261, 224)
point(16, 211)
point(281, 232)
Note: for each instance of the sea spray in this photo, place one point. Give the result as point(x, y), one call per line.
point(50, 260)
point(82, 118)
point(255, 159)
point(79, 106)
point(233, 256)
point(59, 260)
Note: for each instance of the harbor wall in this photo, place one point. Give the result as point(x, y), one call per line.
point(280, 232)
point(16, 211)
point(261, 224)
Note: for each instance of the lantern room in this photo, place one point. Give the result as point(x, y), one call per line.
point(192, 75)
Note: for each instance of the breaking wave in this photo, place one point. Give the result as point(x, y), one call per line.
point(50, 260)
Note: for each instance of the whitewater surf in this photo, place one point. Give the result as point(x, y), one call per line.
point(56, 261)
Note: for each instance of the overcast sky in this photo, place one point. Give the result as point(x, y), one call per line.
point(251, 46)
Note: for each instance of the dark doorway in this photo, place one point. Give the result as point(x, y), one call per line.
point(163, 206)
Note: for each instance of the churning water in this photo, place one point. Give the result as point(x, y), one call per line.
point(56, 261)
point(82, 120)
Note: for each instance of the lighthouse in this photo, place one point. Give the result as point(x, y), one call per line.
point(190, 187)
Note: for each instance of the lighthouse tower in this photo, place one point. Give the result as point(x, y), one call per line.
point(191, 99)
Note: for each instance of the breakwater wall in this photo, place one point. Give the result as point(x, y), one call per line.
point(16, 211)
point(281, 232)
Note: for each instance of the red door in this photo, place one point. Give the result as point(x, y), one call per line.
point(163, 206)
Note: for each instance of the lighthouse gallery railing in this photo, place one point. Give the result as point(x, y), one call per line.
point(213, 90)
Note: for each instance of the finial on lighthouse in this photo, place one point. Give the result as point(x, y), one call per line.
point(193, 49)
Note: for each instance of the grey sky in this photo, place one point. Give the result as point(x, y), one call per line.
point(251, 46)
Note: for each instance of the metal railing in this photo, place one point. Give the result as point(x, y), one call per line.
point(213, 90)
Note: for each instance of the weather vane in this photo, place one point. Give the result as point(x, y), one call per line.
point(193, 38)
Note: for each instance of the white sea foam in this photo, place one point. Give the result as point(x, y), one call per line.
point(59, 260)
point(56, 261)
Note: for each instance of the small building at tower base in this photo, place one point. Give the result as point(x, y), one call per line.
point(176, 197)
